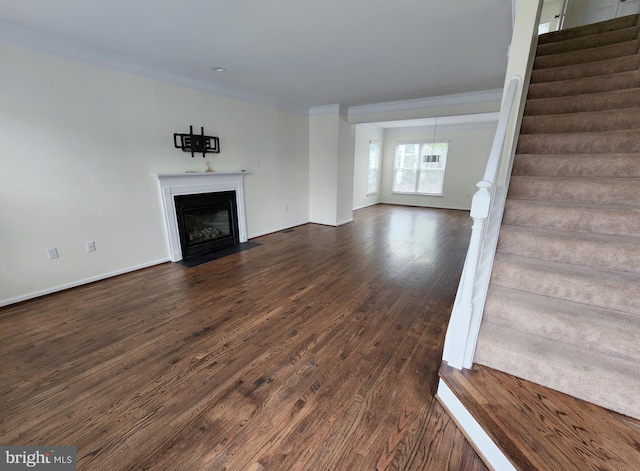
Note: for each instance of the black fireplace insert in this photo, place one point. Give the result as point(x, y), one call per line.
point(207, 222)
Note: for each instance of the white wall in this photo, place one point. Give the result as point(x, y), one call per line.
point(78, 145)
point(346, 151)
point(574, 8)
point(331, 150)
point(364, 135)
point(323, 168)
point(469, 148)
point(549, 12)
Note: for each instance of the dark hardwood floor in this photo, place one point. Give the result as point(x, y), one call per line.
point(538, 428)
point(318, 350)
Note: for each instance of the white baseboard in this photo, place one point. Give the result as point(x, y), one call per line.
point(483, 444)
point(431, 206)
point(365, 206)
point(73, 284)
point(337, 224)
point(278, 229)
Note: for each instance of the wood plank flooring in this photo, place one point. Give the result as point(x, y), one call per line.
point(541, 429)
point(318, 350)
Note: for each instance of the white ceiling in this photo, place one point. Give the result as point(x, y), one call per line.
point(301, 53)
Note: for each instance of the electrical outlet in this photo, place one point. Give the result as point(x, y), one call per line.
point(91, 246)
point(53, 253)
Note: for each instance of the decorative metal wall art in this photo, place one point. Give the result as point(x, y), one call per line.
point(196, 143)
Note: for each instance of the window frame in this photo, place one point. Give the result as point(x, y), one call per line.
point(378, 161)
point(418, 167)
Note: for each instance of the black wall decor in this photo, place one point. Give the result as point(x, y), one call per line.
point(196, 143)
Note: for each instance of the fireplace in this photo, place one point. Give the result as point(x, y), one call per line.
point(204, 212)
point(206, 222)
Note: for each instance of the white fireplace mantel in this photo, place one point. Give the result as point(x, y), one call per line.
point(173, 184)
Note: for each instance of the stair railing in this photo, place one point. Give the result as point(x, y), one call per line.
point(487, 207)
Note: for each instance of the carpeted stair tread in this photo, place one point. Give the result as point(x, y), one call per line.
point(616, 191)
point(597, 287)
point(617, 99)
point(588, 69)
point(616, 165)
point(578, 143)
point(586, 85)
point(588, 30)
point(607, 380)
point(598, 329)
point(621, 253)
point(563, 306)
point(600, 219)
point(593, 54)
point(588, 121)
point(593, 40)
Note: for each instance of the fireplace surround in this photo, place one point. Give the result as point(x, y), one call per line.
point(205, 194)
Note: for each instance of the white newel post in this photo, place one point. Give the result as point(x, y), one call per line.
point(461, 315)
point(464, 324)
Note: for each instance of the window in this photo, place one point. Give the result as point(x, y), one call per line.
point(373, 179)
point(419, 168)
point(544, 28)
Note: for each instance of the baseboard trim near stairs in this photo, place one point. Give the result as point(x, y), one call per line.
point(475, 434)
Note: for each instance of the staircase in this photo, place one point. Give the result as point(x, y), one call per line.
point(563, 307)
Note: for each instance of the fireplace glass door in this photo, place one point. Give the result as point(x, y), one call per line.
point(206, 222)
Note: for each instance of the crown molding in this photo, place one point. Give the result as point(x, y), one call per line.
point(462, 121)
point(329, 109)
point(370, 126)
point(444, 100)
point(453, 126)
point(324, 110)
